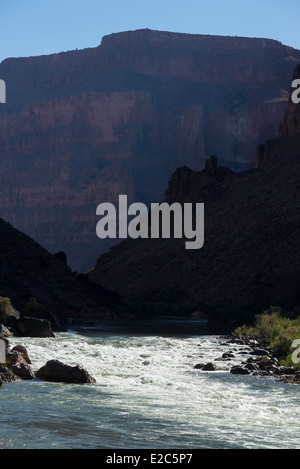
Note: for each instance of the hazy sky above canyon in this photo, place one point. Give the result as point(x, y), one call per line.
point(36, 27)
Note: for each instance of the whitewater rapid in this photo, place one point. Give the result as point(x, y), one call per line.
point(147, 395)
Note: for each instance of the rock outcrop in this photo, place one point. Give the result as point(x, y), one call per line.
point(81, 127)
point(250, 259)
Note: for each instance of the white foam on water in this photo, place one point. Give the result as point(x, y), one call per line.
point(147, 393)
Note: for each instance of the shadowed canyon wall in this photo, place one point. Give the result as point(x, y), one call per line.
point(250, 258)
point(81, 127)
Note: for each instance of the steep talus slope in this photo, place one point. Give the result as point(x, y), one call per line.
point(250, 259)
point(81, 127)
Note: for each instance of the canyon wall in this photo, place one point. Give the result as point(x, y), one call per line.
point(250, 258)
point(81, 127)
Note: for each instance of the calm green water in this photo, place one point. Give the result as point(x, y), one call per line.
point(147, 395)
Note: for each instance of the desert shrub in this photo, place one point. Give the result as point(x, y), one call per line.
point(5, 308)
point(243, 331)
point(274, 330)
point(34, 309)
point(288, 361)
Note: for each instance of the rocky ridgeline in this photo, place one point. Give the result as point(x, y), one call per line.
point(15, 364)
point(259, 361)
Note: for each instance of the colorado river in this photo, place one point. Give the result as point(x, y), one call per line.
point(147, 395)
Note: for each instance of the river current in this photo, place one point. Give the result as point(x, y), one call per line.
point(147, 395)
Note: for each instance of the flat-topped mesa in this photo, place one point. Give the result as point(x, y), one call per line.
point(291, 123)
point(181, 40)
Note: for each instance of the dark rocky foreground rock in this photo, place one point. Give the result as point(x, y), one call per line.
point(23, 371)
point(33, 327)
point(23, 326)
point(6, 375)
point(18, 367)
point(15, 363)
point(54, 370)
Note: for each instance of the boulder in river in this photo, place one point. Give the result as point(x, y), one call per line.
point(14, 357)
point(6, 375)
point(33, 327)
point(260, 352)
point(54, 370)
point(23, 371)
point(207, 367)
point(239, 370)
point(17, 355)
point(22, 350)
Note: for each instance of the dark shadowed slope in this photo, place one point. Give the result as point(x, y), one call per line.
point(28, 273)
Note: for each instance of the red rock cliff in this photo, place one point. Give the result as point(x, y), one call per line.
point(82, 127)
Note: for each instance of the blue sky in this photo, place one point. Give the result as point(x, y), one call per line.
point(36, 27)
